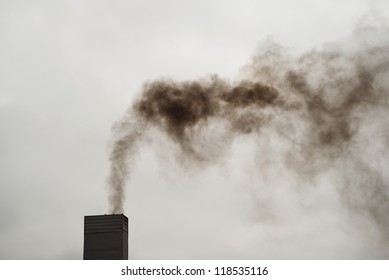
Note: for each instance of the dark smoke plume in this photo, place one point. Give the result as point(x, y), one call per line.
point(330, 104)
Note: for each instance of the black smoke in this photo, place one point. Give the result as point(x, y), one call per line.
point(330, 104)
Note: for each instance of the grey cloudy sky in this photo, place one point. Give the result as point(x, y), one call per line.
point(70, 69)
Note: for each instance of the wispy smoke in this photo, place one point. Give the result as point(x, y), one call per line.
point(330, 104)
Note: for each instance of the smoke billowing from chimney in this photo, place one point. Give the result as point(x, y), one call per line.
point(331, 105)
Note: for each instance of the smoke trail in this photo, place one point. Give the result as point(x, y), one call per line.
point(127, 134)
point(177, 108)
point(322, 102)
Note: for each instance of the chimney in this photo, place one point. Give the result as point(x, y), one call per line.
point(106, 237)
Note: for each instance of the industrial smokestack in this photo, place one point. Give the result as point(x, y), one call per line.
point(106, 237)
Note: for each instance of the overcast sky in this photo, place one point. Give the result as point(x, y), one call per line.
point(70, 69)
